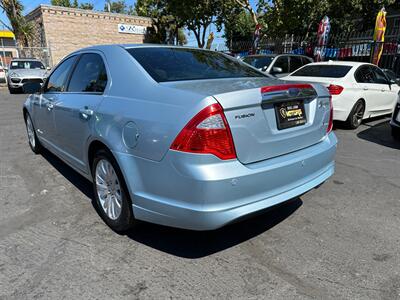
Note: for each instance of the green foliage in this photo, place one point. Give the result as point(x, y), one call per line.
point(301, 17)
point(118, 6)
point(165, 25)
point(86, 5)
point(196, 15)
point(238, 26)
point(65, 3)
point(22, 29)
point(75, 4)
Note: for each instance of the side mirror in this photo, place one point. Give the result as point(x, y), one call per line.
point(264, 68)
point(48, 68)
point(276, 70)
point(31, 87)
point(392, 81)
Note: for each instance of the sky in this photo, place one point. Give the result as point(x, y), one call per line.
point(29, 5)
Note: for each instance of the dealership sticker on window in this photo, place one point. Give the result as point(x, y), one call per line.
point(133, 29)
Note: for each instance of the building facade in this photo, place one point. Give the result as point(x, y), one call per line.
point(8, 48)
point(60, 30)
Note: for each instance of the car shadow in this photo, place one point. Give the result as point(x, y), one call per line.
point(379, 133)
point(197, 244)
point(188, 243)
point(80, 182)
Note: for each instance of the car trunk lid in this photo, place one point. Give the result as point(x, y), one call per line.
point(252, 108)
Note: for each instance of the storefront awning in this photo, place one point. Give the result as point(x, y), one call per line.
point(6, 34)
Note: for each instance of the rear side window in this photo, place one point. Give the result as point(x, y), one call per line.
point(174, 64)
point(89, 74)
point(323, 71)
point(380, 77)
point(58, 79)
point(364, 75)
point(295, 63)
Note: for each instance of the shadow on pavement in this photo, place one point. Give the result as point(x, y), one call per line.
point(197, 244)
point(379, 133)
point(187, 243)
point(80, 182)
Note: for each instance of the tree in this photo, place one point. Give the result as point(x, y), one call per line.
point(165, 25)
point(118, 6)
point(195, 15)
point(246, 5)
point(65, 3)
point(22, 29)
point(75, 4)
point(238, 27)
point(86, 5)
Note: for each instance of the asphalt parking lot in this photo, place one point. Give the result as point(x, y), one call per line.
point(339, 241)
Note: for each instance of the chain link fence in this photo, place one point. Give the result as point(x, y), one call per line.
point(41, 53)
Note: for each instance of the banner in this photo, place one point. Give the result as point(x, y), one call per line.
point(379, 35)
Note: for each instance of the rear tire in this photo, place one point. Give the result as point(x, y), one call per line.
point(111, 194)
point(356, 115)
point(33, 141)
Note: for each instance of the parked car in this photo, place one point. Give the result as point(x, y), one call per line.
point(393, 78)
point(359, 90)
point(23, 70)
point(277, 65)
point(182, 137)
point(395, 122)
point(2, 73)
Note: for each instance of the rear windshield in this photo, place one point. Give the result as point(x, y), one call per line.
point(174, 64)
point(258, 61)
point(28, 64)
point(323, 71)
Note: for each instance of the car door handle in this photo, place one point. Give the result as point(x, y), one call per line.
point(85, 113)
point(365, 88)
point(382, 90)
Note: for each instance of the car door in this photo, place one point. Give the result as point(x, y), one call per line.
point(367, 90)
point(388, 96)
point(74, 112)
point(280, 67)
point(43, 105)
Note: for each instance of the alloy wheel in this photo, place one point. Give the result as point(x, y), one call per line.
point(358, 114)
point(31, 132)
point(108, 189)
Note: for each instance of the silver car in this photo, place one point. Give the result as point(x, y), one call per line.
point(182, 137)
point(278, 65)
point(24, 70)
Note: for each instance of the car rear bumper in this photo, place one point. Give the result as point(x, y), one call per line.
point(200, 192)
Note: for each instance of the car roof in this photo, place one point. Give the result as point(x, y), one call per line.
point(339, 63)
point(262, 55)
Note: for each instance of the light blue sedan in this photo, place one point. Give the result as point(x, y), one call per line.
point(181, 137)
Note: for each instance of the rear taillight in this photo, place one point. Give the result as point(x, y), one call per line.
point(330, 124)
point(335, 89)
point(207, 133)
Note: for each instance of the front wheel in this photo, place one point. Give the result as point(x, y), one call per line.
point(32, 137)
point(111, 194)
point(356, 115)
